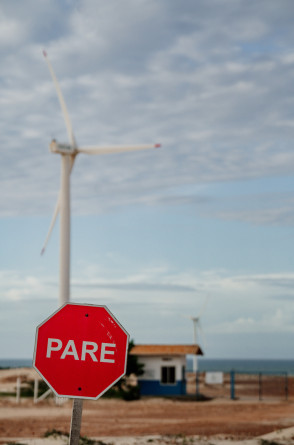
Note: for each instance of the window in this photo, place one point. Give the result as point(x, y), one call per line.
point(168, 375)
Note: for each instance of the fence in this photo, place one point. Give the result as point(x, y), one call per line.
point(239, 385)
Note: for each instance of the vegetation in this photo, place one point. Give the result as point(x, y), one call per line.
point(268, 442)
point(127, 389)
point(7, 394)
point(16, 443)
point(84, 440)
point(133, 365)
point(28, 391)
point(55, 433)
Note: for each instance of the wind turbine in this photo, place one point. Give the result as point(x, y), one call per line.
point(68, 152)
point(196, 321)
point(196, 327)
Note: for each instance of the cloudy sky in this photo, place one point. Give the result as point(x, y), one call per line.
point(202, 226)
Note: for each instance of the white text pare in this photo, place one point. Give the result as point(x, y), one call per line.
point(90, 349)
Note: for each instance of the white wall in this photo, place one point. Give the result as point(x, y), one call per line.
point(152, 366)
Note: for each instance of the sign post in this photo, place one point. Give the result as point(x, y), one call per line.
point(80, 352)
point(76, 420)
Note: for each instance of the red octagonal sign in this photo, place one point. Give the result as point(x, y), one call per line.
point(81, 351)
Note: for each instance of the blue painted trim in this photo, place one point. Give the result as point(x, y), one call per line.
point(155, 388)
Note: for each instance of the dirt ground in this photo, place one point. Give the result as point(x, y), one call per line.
point(147, 416)
point(237, 419)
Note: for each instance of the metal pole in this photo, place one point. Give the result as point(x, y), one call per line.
point(18, 384)
point(36, 390)
point(64, 292)
point(197, 385)
point(76, 421)
point(286, 386)
point(260, 386)
point(233, 385)
point(195, 330)
point(64, 289)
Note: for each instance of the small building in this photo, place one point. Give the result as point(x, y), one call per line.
point(164, 368)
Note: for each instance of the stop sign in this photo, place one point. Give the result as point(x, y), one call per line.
point(81, 351)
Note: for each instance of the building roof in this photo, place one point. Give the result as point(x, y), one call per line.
point(166, 350)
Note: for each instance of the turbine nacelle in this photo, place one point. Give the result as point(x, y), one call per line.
point(62, 148)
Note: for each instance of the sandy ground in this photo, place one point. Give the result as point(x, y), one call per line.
point(149, 420)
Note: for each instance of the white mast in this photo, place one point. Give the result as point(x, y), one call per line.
point(64, 271)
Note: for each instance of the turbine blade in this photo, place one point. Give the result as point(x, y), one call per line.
point(62, 103)
point(115, 149)
point(186, 316)
point(204, 305)
point(53, 220)
point(202, 334)
point(56, 211)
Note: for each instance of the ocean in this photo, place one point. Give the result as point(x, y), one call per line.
point(254, 366)
point(16, 363)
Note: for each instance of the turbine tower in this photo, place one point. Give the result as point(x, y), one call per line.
point(68, 152)
point(196, 326)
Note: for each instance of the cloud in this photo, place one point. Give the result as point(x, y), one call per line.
point(212, 94)
point(146, 287)
point(11, 33)
point(278, 322)
point(230, 295)
point(16, 287)
point(260, 209)
point(228, 304)
point(218, 98)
